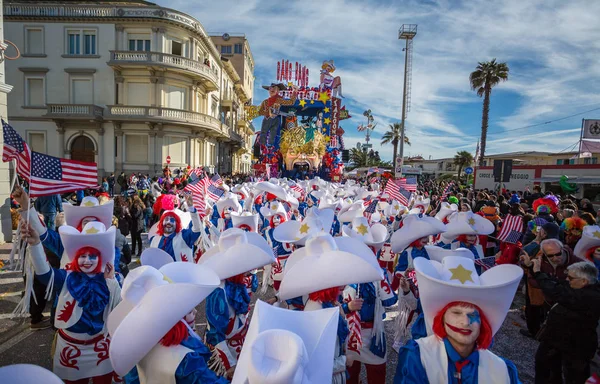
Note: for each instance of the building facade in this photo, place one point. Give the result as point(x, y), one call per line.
point(124, 84)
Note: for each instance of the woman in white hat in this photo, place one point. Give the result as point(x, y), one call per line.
point(275, 214)
point(227, 204)
point(353, 261)
point(462, 311)
point(165, 349)
point(86, 294)
point(233, 258)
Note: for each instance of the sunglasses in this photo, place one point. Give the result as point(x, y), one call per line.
point(553, 254)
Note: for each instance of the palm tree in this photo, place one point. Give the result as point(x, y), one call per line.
point(486, 76)
point(358, 158)
point(393, 136)
point(462, 159)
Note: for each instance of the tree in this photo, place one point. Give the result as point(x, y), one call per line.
point(486, 76)
point(462, 159)
point(393, 136)
point(358, 158)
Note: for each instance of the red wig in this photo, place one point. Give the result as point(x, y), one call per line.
point(245, 227)
point(463, 239)
point(80, 225)
point(589, 254)
point(281, 215)
point(238, 279)
point(270, 196)
point(485, 333)
point(328, 295)
point(176, 335)
point(416, 243)
point(160, 229)
point(74, 265)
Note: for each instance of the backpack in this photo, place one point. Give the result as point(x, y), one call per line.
point(124, 225)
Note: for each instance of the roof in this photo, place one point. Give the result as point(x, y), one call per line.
point(98, 2)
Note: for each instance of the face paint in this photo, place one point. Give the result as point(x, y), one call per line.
point(471, 239)
point(169, 224)
point(276, 220)
point(87, 219)
point(462, 325)
point(190, 318)
point(87, 262)
point(596, 254)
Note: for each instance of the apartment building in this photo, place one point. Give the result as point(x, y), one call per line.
point(125, 84)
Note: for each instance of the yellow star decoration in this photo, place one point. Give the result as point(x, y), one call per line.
point(323, 96)
point(304, 228)
point(596, 234)
point(91, 230)
point(274, 206)
point(312, 101)
point(302, 103)
point(327, 120)
point(290, 84)
point(89, 204)
point(326, 110)
point(362, 229)
point(461, 274)
point(471, 221)
point(397, 207)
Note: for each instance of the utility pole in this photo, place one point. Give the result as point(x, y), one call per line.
point(407, 32)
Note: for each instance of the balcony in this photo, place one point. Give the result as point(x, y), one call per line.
point(158, 60)
point(75, 112)
point(228, 100)
point(166, 115)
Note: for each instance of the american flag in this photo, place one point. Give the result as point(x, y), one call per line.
point(373, 180)
point(514, 237)
point(447, 190)
point(410, 184)
point(355, 341)
point(51, 175)
point(397, 192)
point(367, 201)
point(486, 262)
point(15, 148)
point(216, 180)
point(295, 187)
point(214, 193)
point(198, 190)
point(371, 209)
point(195, 173)
point(510, 224)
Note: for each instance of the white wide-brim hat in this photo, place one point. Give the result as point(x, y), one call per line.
point(347, 214)
point(374, 235)
point(288, 347)
point(467, 223)
point(184, 217)
point(133, 335)
point(376, 217)
point(413, 228)
point(272, 188)
point(272, 208)
point(455, 279)
point(328, 262)
point(394, 208)
point(421, 202)
point(240, 188)
point(315, 221)
point(590, 238)
point(438, 253)
point(229, 200)
point(94, 235)
point(89, 207)
point(29, 374)
point(155, 257)
point(237, 252)
point(245, 219)
point(329, 202)
point(445, 210)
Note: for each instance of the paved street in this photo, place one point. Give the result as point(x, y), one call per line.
point(18, 344)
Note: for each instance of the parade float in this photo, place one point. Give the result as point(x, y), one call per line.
point(300, 132)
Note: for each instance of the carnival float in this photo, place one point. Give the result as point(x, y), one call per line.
point(300, 131)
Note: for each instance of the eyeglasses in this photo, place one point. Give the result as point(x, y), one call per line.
point(571, 278)
point(553, 254)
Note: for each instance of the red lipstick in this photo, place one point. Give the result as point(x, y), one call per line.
point(462, 331)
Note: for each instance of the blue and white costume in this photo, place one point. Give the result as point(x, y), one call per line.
point(179, 245)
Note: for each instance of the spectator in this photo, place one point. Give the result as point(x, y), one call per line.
point(105, 184)
point(122, 181)
point(503, 205)
point(555, 258)
point(137, 225)
point(111, 185)
point(49, 206)
point(588, 218)
point(568, 339)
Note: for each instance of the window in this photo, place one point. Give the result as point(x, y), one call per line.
point(136, 148)
point(82, 90)
point(226, 49)
point(35, 92)
point(590, 160)
point(237, 48)
point(175, 147)
point(37, 141)
point(138, 94)
point(81, 42)
point(176, 48)
point(34, 41)
point(176, 97)
point(139, 45)
point(559, 162)
point(213, 108)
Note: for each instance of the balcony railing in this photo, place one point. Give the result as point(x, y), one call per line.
point(166, 60)
point(165, 114)
point(75, 111)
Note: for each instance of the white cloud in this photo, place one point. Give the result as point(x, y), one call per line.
point(551, 47)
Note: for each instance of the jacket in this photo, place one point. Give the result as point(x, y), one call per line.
point(137, 219)
point(571, 323)
point(48, 204)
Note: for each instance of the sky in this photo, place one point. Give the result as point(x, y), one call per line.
point(551, 48)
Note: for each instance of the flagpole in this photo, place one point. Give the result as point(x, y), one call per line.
point(15, 177)
point(580, 139)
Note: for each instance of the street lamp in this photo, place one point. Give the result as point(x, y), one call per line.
point(407, 32)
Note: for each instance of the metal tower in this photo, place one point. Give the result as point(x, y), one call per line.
point(407, 32)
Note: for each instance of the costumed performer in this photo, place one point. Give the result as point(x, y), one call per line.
point(27, 374)
point(269, 109)
point(353, 262)
point(462, 311)
point(275, 213)
point(233, 258)
point(86, 294)
point(588, 247)
point(152, 340)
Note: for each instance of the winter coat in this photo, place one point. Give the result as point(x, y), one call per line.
point(137, 219)
point(571, 323)
point(536, 295)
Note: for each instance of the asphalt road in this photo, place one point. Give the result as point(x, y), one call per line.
point(18, 344)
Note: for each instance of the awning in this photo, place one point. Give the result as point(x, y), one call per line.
point(547, 180)
point(588, 180)
point(572, 180)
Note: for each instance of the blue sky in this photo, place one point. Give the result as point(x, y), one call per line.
point(551, 47)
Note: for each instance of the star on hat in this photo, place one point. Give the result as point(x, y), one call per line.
point(304, 228)
point(461, 274)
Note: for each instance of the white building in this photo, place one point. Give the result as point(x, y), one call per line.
point(124, 84)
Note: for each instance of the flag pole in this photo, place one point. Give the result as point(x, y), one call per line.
point(15, 178)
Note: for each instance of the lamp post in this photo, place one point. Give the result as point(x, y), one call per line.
point(407, 32)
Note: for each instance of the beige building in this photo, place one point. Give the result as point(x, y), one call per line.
point(125, 84)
